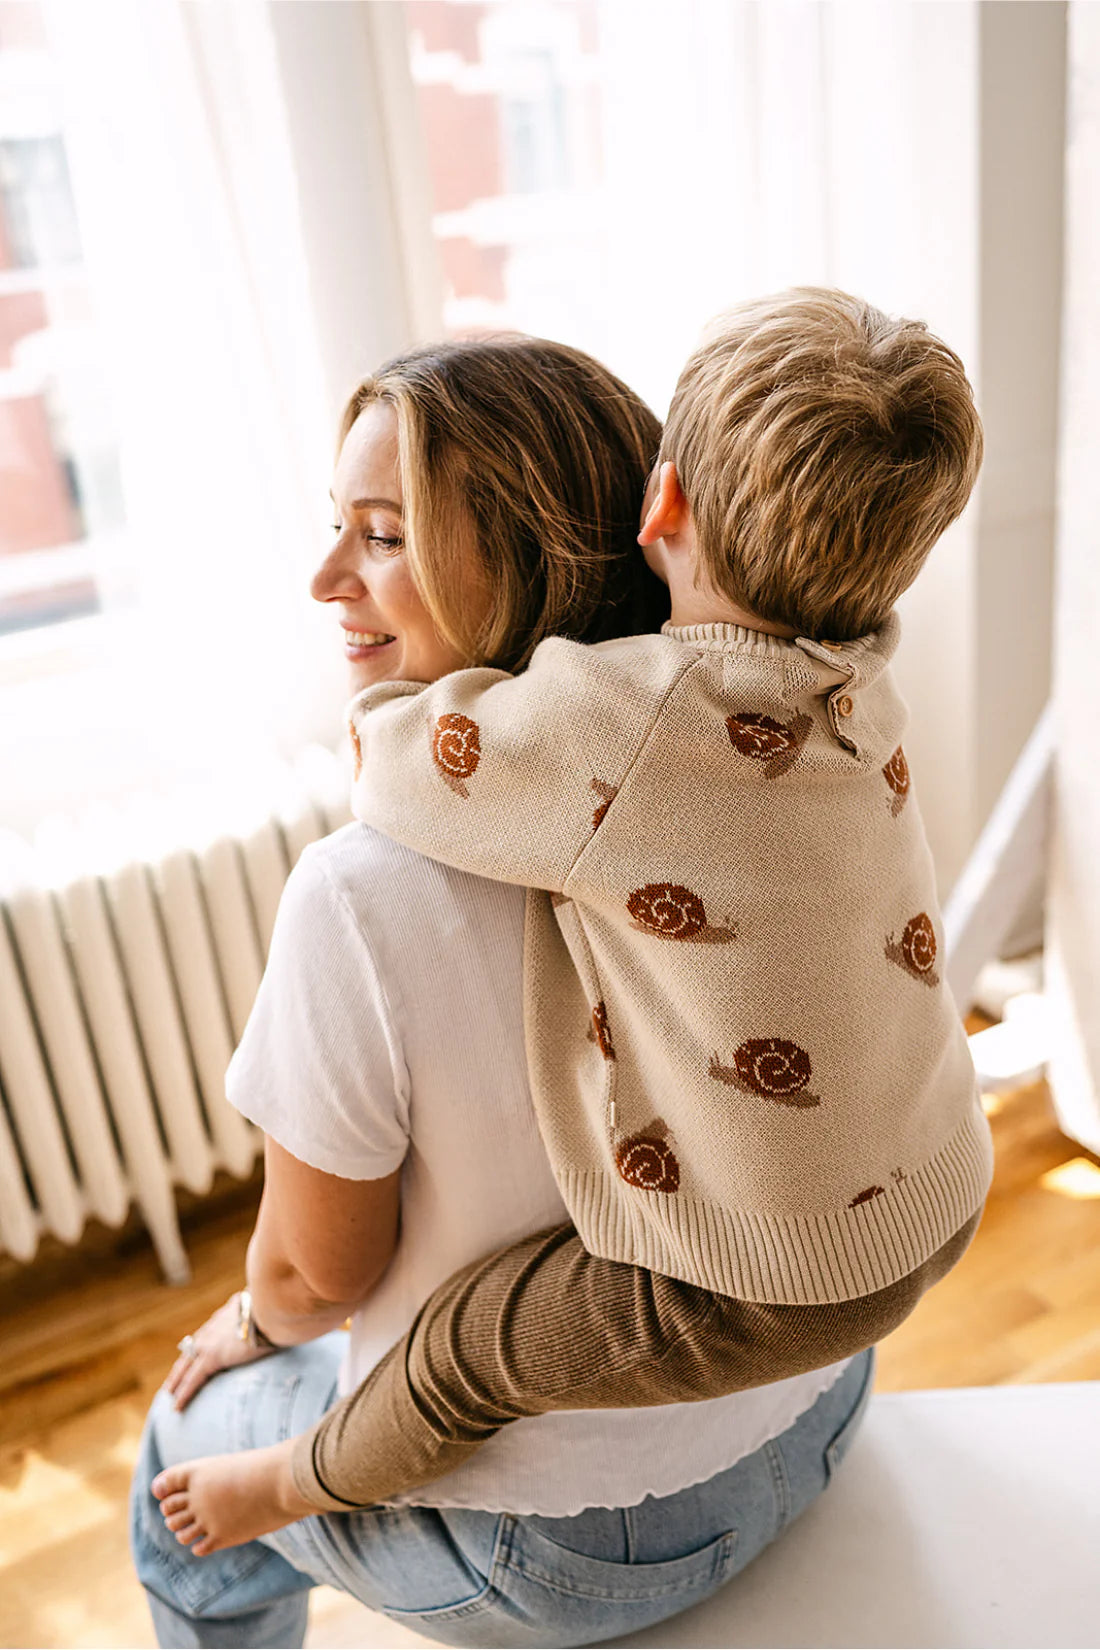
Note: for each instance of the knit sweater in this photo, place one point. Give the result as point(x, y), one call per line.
point(747, 1068)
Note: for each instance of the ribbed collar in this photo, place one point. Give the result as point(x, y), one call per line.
point(728, 638)
point(736, 638)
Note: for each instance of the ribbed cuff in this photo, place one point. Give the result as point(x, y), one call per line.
point(307, 1480)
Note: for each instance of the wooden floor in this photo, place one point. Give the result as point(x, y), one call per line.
point(87, 1338)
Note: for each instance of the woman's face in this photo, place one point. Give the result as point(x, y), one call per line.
point(388, 634)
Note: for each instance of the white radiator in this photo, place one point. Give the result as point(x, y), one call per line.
point(131, 945)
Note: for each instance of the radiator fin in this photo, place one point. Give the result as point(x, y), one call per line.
point(131, 948)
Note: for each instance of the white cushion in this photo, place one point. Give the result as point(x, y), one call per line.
point(968, 1517)
point(962, 1517)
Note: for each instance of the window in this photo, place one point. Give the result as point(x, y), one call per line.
point(532, 118)
point(60, 494)
point(37, 201)
point(600, 173)
point(508, 99)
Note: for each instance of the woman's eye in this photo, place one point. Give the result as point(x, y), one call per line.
point(390, 545)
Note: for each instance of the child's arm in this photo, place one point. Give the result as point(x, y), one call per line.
point(503, 775)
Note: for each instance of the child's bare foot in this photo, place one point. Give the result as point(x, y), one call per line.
point(223, 1500)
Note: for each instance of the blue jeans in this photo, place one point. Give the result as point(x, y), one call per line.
point(459, 1576)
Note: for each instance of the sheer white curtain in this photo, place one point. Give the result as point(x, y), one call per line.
point(251, 206)
point(187, 200)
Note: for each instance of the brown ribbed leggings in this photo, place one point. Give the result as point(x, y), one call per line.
point(544, 1326)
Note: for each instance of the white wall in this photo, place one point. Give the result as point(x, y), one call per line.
point(1022, 134)
point(1073, 940)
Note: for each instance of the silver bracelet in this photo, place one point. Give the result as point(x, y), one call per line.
point(248, 1330)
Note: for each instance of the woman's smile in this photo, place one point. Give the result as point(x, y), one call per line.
point(367, 571)
point(365, 644)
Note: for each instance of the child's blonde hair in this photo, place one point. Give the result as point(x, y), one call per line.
point(823, 448)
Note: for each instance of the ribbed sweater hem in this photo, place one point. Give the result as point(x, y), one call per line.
point(796, 1260)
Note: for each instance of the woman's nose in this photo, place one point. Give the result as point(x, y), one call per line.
point(337, 578)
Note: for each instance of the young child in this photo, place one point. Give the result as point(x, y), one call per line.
point(748, 1071)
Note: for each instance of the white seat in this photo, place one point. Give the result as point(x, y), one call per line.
point(967, 1517)
point(964, 1517)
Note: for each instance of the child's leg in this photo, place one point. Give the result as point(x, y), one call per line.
point(259, 1404)
point(546, 1326)
point(221, 1501)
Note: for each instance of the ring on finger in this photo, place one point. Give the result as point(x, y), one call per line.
point(186, 1346)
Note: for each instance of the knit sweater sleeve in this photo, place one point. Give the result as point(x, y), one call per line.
point(501, 775)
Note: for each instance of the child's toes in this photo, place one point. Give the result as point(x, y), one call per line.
point(180, 1520)
point(173, 1504)
point(205, 1546)
point(188, 1533)
point(169, 1482)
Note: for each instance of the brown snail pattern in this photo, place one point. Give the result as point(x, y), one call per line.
point(673, 912)
point(647, 1160)
point(607, 793)
point(916, 950)
point(777, 744)
point(866, 1196)
point(356, 750)
point(896, 774)
point(602, 1031)
point(456, 749)
point(770, 1067)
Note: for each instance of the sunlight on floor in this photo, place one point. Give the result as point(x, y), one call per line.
point(1079, 1178)
point(44, 1485)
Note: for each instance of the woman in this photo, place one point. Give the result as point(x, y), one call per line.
point(487, 494)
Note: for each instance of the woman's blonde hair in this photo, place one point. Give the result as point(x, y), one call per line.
point(823, 448)
point(535, 457)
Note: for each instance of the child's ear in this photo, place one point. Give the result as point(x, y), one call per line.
point(665, 510)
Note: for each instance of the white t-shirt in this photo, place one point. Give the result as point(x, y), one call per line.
point(387, 1032)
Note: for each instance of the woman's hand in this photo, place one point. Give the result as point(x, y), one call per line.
point(215, 1346)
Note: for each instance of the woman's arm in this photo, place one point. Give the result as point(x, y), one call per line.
point(320, 1245)
point(321, 1071)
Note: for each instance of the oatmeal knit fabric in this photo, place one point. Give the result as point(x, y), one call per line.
point(747, 1068)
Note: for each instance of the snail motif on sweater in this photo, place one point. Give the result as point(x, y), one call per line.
point(456, 750)
point(777, 745)
point(674, 912)
point(916, 950)
point(896, 774)
point(607, 794)
point(646, 1160)
point(601, 1031)
point(770, 1067)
